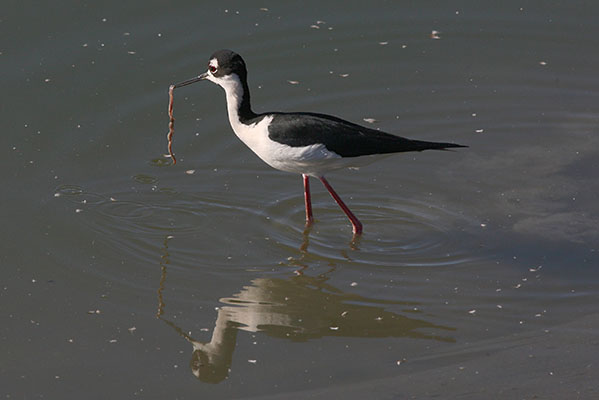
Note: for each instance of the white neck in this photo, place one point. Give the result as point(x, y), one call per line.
point(234, 90)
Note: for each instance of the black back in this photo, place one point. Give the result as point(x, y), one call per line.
point(342, 137)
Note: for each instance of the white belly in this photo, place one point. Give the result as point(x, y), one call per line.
point(314, 160)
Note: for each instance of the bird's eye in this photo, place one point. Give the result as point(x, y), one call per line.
point(212, 68)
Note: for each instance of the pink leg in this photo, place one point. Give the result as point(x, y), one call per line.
point(357, 225)
point(308, 200)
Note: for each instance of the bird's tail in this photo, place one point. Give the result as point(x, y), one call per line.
point(420, 145)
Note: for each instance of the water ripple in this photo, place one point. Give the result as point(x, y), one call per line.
point(397, 233)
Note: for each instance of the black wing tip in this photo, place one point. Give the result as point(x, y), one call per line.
point(451, 146)
point(438, 146)
point(455, 145)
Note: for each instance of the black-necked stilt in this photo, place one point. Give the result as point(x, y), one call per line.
point(305, 143)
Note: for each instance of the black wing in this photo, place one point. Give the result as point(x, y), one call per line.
point(342, 137)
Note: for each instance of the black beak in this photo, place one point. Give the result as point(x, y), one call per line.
point(198, 78)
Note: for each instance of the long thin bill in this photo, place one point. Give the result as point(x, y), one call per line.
point(190, 81)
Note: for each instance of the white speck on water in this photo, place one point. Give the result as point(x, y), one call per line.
point(369, 120)
point(472, 312)
point(479, 130)
point(353, 284)
point(190, 171)
point(294, 82)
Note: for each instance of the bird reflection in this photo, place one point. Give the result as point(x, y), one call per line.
point(298, 308)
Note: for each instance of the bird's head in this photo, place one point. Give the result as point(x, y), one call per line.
point(224, 66)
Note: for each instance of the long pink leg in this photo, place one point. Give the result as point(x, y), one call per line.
point(357, 225)
point(308, 200)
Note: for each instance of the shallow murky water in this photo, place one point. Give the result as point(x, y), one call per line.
point(124, 277)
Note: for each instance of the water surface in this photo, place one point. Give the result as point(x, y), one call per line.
point(125, 277)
